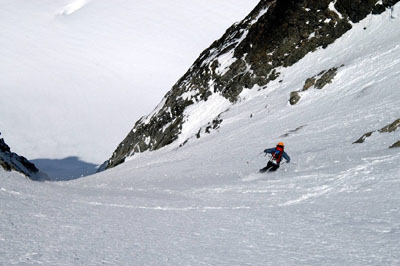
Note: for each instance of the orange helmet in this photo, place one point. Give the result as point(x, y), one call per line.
point(281, 144)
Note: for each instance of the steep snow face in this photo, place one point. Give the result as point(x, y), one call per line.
point(76, 73)
point(249, 55)
point(336, 203)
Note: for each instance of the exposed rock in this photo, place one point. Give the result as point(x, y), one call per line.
point(357, 10)
point(3, 146)
point(277, 33)
point(386, 129)
point(309, 83)
point(318, 81)
point(214, 125)
point(395, 145)
point(391, 127)
point(326, 78)
point(10, 161)
point(294, 97)
point(363, 137)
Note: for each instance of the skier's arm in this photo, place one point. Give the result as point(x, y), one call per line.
point(272, 150)
point(286, 156)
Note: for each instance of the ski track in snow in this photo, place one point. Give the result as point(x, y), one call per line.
point(336, 203)
point(159, 208)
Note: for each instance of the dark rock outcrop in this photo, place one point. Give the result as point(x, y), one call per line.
point(386, 129)
point(325, 78)
point(391, 127)
point(277, 33)
point(294, 97)
point(318, 82)
point(10, 161)
point(363, 137)
point(309, 83)
point(395, 145)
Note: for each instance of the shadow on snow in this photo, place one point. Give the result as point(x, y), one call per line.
point(66, 169)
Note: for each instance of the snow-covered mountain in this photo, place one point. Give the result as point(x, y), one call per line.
point(250, 55)
point(76, 73)
point(336, 203)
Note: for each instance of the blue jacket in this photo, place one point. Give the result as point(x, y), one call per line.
point(274, 150)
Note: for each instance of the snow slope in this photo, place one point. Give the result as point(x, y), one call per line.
point(76, 73)
point(337, 203)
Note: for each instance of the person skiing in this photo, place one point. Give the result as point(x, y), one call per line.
point(276, 158)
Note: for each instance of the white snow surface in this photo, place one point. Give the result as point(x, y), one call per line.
point(336, 203)
point(73, 7)
point(77, 74)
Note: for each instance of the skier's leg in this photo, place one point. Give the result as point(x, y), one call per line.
point(274, 167)
point(265, 169)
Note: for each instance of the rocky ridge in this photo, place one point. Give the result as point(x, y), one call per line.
point(249, 55)
point(11, 161)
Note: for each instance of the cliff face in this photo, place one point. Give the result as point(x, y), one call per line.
point(10, 161)
point(249, 55)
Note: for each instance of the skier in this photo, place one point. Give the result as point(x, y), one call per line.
point(275, 161)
